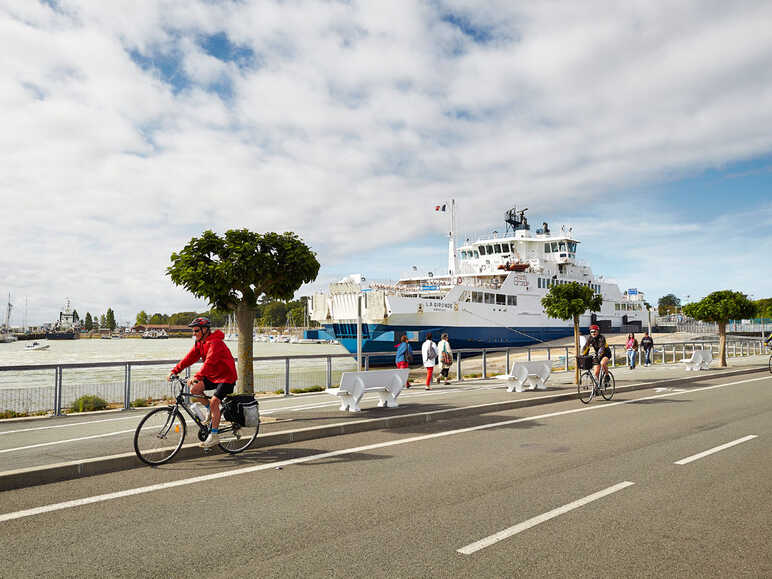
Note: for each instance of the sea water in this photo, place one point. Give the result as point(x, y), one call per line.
point(33, 390)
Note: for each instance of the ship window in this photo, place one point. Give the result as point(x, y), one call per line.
point(489, 249)
point(482, 250)
point(511, 300)
point(497, 248)
point(562, 246)
point(476, 254)
point(477, 297)
point(546, 248)
point(490, 298)
point(572, 246)
point(555, 246)
point(501, 299)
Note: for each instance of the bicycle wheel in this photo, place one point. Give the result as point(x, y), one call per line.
point(586, 387)
point(608, 387)
point(235, 438)
point(159, 436)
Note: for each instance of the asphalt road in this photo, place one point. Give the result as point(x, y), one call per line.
point(581, 491)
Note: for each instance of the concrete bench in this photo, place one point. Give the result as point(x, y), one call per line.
point(386, 383)
point(535, 374)
point(700, 360)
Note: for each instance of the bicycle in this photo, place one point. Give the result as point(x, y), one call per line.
point(160, 434)
point(590, 386)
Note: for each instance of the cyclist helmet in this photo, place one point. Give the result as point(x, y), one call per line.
point(199, 323)
point(594, 327)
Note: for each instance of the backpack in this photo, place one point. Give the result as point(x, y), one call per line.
point(431, 353)
point(408, 355)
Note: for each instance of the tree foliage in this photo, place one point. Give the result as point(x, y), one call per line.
point(110, 319)
point(235, 270)
point(668, 304)
point(568, 302)
point(142, 318)
point(720, 307)
point(88, 324)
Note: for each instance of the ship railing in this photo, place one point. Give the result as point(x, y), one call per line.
point(56, 388)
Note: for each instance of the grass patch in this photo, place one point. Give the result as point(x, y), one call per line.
point(88, 403)
point(301, 390)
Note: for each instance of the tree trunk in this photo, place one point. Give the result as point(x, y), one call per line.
point(576, 347)
point(245, 318)
point(722, 343)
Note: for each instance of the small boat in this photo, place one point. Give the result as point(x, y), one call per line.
point(37, 346)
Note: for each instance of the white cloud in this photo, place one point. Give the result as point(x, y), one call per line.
point(345, 121)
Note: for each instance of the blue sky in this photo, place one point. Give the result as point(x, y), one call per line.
point(130, 127)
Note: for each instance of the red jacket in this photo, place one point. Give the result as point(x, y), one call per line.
point(218, 362)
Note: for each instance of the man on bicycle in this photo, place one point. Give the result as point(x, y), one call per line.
point(218, 371)
point(602, 352)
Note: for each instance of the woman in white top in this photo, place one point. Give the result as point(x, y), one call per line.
point(429, 355)
point(445, 357)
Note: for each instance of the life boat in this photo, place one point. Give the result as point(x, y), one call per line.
point(518, 266)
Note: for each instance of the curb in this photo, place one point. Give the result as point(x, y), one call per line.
point(34, 476)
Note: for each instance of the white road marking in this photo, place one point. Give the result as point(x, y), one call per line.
point(324, 455)
point(520, 527)
point(66, 441)
point(700, 455)
point(66, 425)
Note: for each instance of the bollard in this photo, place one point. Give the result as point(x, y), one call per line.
point(506, 368)
point(329, 372)
point(459, 375)
point(484, 363)
point(613, 356)
point(286, 377)
point(566, 367)
point(58, 391)
point(127, 387)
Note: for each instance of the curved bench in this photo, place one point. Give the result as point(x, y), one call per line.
point(386, 383)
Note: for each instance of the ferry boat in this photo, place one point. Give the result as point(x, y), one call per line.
point(489, 296)
point(67, 328)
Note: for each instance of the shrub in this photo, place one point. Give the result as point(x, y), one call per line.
point(139, 402)
point(301, 390)
point(88, 403)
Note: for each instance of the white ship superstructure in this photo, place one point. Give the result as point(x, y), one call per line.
point(489, 296)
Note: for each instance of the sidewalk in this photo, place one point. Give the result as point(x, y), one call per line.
point(37, 451)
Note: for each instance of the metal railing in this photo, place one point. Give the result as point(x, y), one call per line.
point(48, 391)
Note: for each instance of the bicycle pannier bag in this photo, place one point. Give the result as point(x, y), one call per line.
point(242, 409)
point(584, 362)
point(248, 414)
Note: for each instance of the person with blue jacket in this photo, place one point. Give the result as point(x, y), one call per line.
point(404, 356)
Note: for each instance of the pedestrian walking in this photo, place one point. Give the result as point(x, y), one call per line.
point(404, 356)
point(446, 358)
point(647, 343)
point(429, 355)
point(632, 350)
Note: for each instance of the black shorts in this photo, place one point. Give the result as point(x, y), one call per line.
point(222, 389)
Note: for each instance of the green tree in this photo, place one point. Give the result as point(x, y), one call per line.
point(764, 307)
point(720, 307)
point(102, 321)
point(89, 323)
point(668, 304)
point(110, 319)
point(75, 316)
point(184, 318)
point(159, 319)
point(296, 313)
point(235, 270)
point(275, 314)
point(568, 302)
point(142, 318)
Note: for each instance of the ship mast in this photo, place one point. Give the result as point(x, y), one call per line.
point(452, 259)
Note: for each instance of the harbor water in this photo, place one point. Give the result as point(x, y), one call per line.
point(33, 390)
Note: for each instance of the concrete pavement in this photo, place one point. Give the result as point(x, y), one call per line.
point(37, 451)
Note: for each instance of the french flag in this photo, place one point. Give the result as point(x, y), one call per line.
point(440, 207)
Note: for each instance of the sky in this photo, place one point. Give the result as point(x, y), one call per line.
point(129, 127)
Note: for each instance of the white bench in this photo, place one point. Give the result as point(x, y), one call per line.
point(353, 385)
point(700, 360)
point(535, 374)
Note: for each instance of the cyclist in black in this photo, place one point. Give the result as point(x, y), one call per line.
point(602, 352)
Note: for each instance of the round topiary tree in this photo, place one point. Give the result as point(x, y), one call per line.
point(568, 302)
point(233, 271)
point(720, 307)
